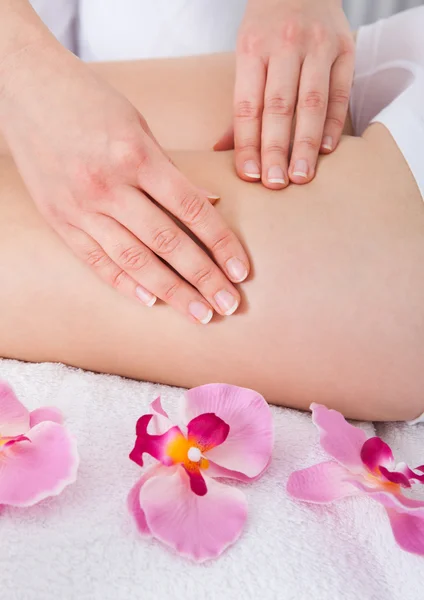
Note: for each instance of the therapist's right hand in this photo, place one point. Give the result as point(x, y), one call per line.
point(100, 179)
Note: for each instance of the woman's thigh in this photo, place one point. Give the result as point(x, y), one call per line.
point(333, 311)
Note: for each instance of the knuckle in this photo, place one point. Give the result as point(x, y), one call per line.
point(278, 105)
point(313, 101)
point(247, 110)
point(320, 34)
point(192, 209)
point(171, 290)
point(222, 242)
point(276, 148)
point(117, 279)
point(337, 122)
point(339, 96)
point(249, 42)
point(310, 143)
point(134, 258)
point(125, 154)
point(347, 44)
point(291, 32)
point(247, 144)
point(202, 276)
point(97, 259)
point(166, 240)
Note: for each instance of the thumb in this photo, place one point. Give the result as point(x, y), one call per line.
point(226, 142)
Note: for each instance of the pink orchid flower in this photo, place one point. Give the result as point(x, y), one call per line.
point(362, 466)
point(38, 457)
point(229, 433)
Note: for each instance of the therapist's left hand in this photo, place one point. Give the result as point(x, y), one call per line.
point(292, 56)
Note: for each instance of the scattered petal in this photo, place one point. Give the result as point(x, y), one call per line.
point(248, 446)
point(200, 527)
point(42, 467)
point(395, 477)
point(321, 483)
point(408, 531)
point(207, 431)
point(338, 438)
point(14, 417)
point(48, 413)
point(375, 452)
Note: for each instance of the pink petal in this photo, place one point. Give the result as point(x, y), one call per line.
point(200, 527)
point(155, 445)
point(214, 470)
point(207, 431)
point(397, 502)
point(375, 452)
point(338, 438)
point(156, 406)
point(395, 477)
point(408, 531)
point(14, 417)
point(197, 481)
point(248, 446)
point(321, 483)
point(133, 500)
point(410, 473)
point(46, 413)
point(43, 467)
point(160, 423)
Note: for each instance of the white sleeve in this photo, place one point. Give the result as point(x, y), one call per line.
point(60, 16)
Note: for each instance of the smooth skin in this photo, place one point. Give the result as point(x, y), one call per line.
point(332, 312)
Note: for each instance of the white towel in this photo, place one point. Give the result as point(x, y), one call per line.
point(83, 546)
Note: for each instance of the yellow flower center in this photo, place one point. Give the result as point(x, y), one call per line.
point(183, 451)
point(378, 481)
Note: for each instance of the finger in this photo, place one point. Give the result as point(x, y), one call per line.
point(161, 234)
point(248, 107)
point(139, 263)
point(280, 100)
point(173, 191)
point(95, 257)
point(311, 112)
point(226, 142)
point(338, 101)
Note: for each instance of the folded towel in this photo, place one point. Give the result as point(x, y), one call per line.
point(83, 545)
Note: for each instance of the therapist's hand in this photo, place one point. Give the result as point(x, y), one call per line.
point(93, 169)
point(292, 55)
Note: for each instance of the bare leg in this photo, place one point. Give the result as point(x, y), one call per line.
point(334, 310)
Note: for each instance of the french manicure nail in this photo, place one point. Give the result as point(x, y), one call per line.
point(275, 175)
point(144, 296)
point(200, 311)
point(236, 269)
point(213, 197)
point(226, 302)
point(327, 142)
point(301, 168)
point(251, 169)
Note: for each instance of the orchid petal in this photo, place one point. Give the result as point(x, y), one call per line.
point(156, 406)
point(410, 473)
point(375, 452)
point(133, 500)
point(395, 501)
point(322, 483)
point(214, 470)
point(339, 439)
point(46, 413)
point(160, 422)
point(197, 481)
point(155, 445)
point(200, 527)
point(14, 417)
point(408, 531)
point(248, 446)
point(43, 467)
point(395, 477)
point(207, 431)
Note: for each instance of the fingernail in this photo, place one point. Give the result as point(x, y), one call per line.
point(327, 142)
point(201, 312)
point(226, 302)
point(213, 197)
point(251, 169)
point(144, 296)
point(301, 168)
point(236, 269)
point(275, 175)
